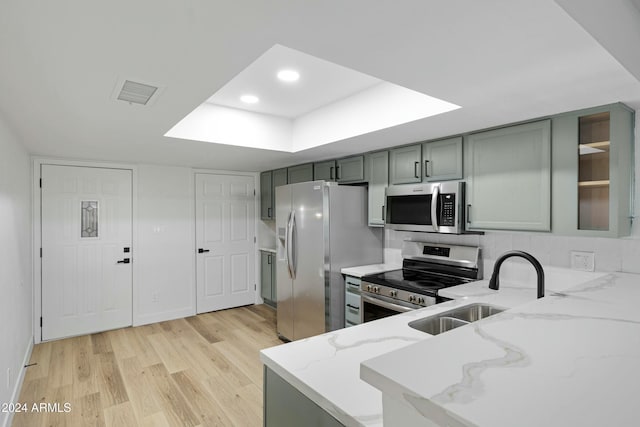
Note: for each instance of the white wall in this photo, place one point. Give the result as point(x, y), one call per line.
point(164, 256)
point(15, 263)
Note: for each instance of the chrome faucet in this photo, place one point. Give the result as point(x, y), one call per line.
point(494, 283)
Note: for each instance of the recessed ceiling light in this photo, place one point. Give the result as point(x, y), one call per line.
point(288, 75)
point(249, 99)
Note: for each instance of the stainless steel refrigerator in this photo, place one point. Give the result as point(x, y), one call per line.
point(321, 227)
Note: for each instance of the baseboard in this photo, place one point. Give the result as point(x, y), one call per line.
point(16, 390)
point(164, 316)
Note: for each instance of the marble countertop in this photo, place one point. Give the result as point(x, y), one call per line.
point(569, 359)
point(364, 270)
point(327, 368)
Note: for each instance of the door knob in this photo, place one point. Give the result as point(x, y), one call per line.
point(124, 261)
point(201, 251)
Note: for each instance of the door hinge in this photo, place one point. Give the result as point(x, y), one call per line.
point(40, 252)
point(41, 321)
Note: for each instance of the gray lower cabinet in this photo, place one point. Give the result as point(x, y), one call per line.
point(378, 175)
point(350, 169)
point(509, 181)
point(592, 171)
point(324, 170)
point(268, 277)
point(352, 301)
point(300, 173)
point(405, 164)
point(442, 160)
point(285, 406)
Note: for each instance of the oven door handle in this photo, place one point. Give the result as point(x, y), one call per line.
point(385, 304)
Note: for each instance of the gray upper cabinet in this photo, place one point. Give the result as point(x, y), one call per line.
point(592, 172)
point(268, 182)
point(405, 164)
point(300, 173)
point(378, 174)
point(279, 178)
point(442, 160)
point(509, 183)
point(350, 169)
point(266, 195)
point(324, 170)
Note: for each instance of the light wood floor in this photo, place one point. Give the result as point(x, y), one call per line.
point(199, 371)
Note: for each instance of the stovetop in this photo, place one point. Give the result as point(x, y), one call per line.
point(419, 282)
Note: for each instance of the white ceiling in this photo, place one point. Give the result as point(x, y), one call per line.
point(500, 60)
point(321, 82)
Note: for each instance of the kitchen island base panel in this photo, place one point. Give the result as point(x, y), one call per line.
point(285, 406)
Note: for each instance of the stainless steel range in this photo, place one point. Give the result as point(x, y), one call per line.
point(426, 269)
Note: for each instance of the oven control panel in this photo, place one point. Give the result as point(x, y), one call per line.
point(410, 300)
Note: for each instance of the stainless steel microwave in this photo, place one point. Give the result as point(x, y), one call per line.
point(434, 207)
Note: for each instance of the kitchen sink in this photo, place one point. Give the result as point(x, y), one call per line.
point(457, 317)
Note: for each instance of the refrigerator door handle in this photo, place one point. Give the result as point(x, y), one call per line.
point(292, 240)
point(434, 207)
point(287, 245)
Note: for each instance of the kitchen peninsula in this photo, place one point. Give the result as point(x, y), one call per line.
point(568, 359)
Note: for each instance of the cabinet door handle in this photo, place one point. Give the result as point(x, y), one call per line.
point(416, 165)
point(269, 213)
point(331, 173)
point(353, 306)
point(426, 170)
point(338, 173)
point(201, 251)
point(382, 212)
point(124, 261)
point(268, 259)
point(468, 214)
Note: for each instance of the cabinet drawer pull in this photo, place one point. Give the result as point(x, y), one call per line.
point(416, 173)
point(353, 307)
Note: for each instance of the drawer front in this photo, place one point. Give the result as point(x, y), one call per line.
point(352, 284)
point(352, 309)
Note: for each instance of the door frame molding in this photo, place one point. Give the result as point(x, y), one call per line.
point(37, 230)
point(256, 264)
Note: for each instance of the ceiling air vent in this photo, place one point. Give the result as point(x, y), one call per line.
point(137, 93)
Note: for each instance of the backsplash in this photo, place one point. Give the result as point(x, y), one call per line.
point(610, 254)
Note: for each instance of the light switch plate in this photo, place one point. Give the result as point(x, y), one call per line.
point(583, 261)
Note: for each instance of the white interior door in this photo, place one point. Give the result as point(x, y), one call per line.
point(225, 244)
point(86, 238)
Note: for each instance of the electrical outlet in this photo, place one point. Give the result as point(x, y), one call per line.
point(583, 261)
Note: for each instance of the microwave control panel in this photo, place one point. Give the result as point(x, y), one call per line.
point(448, 212)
